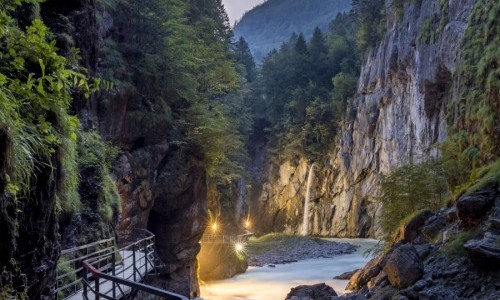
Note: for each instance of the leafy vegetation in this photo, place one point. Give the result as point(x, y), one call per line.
point(95, 158)
point(267, 26)
point(35, 87)
point(370, 15)
point(410, 189)
point(184, 72)
point(472, 150)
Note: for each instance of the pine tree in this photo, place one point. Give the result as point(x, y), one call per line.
point(244, 57)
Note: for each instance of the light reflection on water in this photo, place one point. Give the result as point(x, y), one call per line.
point(265, 283)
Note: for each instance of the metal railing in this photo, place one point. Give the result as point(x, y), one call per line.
point(70, 269)
point(102, 271)
point(95, 288)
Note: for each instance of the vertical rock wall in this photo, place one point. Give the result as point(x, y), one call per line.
point(397, 116)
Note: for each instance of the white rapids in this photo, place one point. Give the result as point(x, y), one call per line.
point(268, 283)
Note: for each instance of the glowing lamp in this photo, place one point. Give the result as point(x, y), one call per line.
point(239, 247)
point(247, 224)
point(214, 227)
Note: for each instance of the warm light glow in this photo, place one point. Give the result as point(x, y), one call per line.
point(247, 224)
point(239, 247)
point(214, 227)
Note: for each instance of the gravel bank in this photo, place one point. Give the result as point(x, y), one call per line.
point(287, 249)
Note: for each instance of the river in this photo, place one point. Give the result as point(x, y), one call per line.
point(267, 283)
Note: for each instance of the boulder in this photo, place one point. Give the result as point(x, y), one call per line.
point(471, 208)
point(433, 226)
point(319, 291)
point(363, 275)
point(403, 266)
point(346, 275)
point(378, 281)
point(409, 231)
point(485, 253)
point(451, 214)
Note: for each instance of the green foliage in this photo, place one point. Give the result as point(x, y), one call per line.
point(370, 15)
point(409, 189)
point(65, 267)
point(472, 150)
point(183, 80)
point(297, 90)
point(244, 57)
point(35, 95)
point(98, 156)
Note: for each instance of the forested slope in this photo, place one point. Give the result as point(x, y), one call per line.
point(268, 25)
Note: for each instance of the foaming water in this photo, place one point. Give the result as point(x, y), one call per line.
point(266, 283)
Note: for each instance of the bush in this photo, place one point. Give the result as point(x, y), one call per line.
point(409, 189)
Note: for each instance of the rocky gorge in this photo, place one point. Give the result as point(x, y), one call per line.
point(124, 115)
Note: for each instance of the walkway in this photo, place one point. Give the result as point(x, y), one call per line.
point(99, 271)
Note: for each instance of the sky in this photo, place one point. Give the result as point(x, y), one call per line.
point(236, 8)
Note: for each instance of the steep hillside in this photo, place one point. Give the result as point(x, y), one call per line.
point(268, 25)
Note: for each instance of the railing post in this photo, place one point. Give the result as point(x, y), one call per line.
point(96, 280)
point(145, 256)
point(85, 276)
point(113, 265)
point(133, 262)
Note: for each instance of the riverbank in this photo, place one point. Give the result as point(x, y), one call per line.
point(277, 248)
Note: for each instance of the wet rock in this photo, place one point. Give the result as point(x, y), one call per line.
point(346, 275)
point(471, 208)
point(403, 266)
point(362, 276)
point(485, 253)
point(319, 291)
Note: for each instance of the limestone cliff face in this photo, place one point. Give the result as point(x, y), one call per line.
point(398, 115)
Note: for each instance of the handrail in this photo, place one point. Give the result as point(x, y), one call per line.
point(68, 280)
point(66, 251)
point(134, 285)
point(120, 269)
